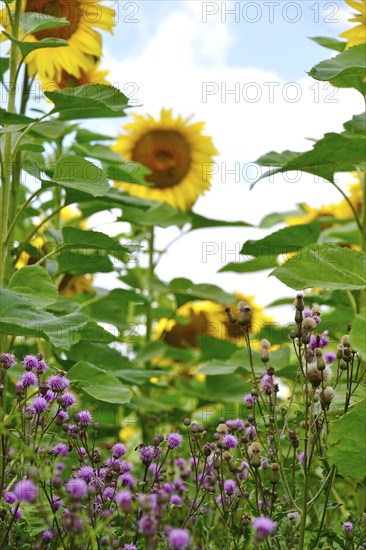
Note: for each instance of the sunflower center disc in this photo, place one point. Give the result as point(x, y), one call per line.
point(166, 153)
point(70, 9)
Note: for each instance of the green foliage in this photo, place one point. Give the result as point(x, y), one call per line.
point(98, 383)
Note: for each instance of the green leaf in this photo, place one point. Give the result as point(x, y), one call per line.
point(74, 238)
point(161, 215)
point(98, 383)
point(4, 66)
point(333, 153)
point(358, 335)
point(331, 43)
point(34, 283)
point(78, 264)
point(77, 173)
point(186, 288)
point(200, 222)
point(346, 445)
point(113, 306)
point(255, 264)
point(344, 234)
point(88, 101)
point(27, 47)
point(346, 70)
point(327, 266)
point(283, 241)
point(14, 118)
point(33, 22)
point(85, 136)
point(278, 217)
point(357, 125)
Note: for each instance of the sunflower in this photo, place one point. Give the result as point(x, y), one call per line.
point(356, 35)
point(92, 76)
point(83, 40)
point(337, 211)
point(208, 318)
point(175, 151)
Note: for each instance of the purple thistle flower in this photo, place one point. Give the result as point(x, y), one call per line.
point(249, 400)
point(128, 480)
point(263, 527)
point(28, 379)
point(30, 362)
point(230, 487)
point(7, 359)
point(129, 547)
point(77, 488)
point(47, 535)
point(179, 462)
point(301, 457)
point(49, 395)
point(86, 473)
point(176, 500)
point(174, 440)
point(118, 450)
point(57, 503)
point(9, 497)
point(147, 525)
point(60, 466)
point(68, 399)
point(108, 493)
point(329, 356)
point(265, 464)
point(62, 415)
point(178, 538)
point(39, 404)
point(25, 490)
point(124, 500)
point(324, 339)
point(84, 417)
point(58, 383)
point(267, 384)
point(229, 441)
point(347, 527)
point(307, 312)
point(147, 454)
point(41, 367)
point(17, 513)
point(125, 466)
point(317, 319)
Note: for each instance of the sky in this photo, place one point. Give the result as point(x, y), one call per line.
point(242, 68)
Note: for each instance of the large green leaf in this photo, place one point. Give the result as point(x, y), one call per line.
point(358, 335)
point(88, 101)
point(113, 306)
point(77, 239)
point(346, 443)
point(77, 173)
point(33, 22)
point(27, 47)
point(186, 288)
point(333, 153)
point(34, 283)
point(201, 222)
point(77, 263)
point(346, 70)
point(98, 383)
point(283, 241)
point(161, 214)
point(326, 266)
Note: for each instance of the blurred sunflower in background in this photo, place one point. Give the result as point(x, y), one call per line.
point(208, 318)
point(92, 76)
point(337, 211)
point(83, 40)
point(175, 151)
point(357, 34)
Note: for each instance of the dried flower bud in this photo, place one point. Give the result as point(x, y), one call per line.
point(254, 449)
point(343, 365)
point(245, 314)
point(187, 421)
point(309, 323)
point(256, 461)
point(316, 311)
point(293, 334)
point(265, 344)
point(298, 317)
point(222, 429)
point(275, 474)
point(264, 356)
point(346, 340)
point(326, 397)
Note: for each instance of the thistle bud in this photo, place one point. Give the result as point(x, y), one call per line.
point(245, 314)
point(222, 429)
point(326, 397)
point(340, 352)
point(299, 302)
point(256, 461)
point(343, 365)
point(254, 449)
point(309, 324)
point(232, 317)
point(298, 317)
point(346, 340)
point(265, 344)
point(275, 474)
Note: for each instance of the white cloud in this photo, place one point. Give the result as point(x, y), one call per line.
point(180, 58)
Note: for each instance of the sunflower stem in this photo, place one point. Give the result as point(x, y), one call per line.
point(7, 165)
